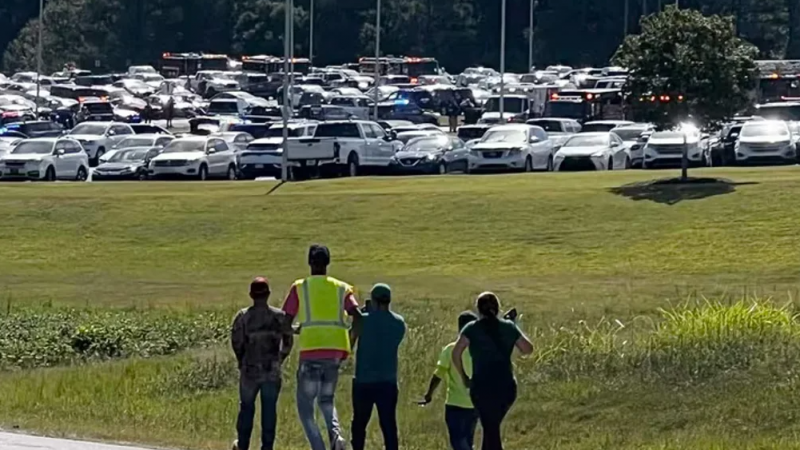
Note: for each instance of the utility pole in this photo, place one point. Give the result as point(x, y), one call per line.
point(502, 56)
point(291, 42)
point(39, 56)
point(625, 19)
point(285, 109)
point(377, 58)
point(530, 36)
point(311, 37)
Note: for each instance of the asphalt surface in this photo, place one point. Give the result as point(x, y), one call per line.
point(12, 441)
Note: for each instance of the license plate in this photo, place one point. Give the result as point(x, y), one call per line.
point(259, 166)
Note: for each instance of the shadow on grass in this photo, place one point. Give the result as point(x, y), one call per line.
point(670, 191)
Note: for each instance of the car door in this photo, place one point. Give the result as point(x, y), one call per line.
point(75, 155)
point(458, 154)
point(213, 157)
point(384, 146)
point(224, 156)
point(618, 151)
point(370, 145)
point(61, 161)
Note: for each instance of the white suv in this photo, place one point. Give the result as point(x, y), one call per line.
point(98, 137)
point(46, 159)
point(513, 147)
point(199, 157)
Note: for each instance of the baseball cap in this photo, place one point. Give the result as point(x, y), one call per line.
point(381, 293)
point(259, 285)
point(319, 254)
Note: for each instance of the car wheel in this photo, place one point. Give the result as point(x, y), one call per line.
point(528, 164)
point(443, 170)
point(50, 174)
point(628, 163)
point(232, 173)
point(82, 174)
point(352, 165)
point(142, 175)
point(610, 164)
point(550, 163)
point(202, 174)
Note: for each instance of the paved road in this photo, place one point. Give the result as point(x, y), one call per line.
point(11, 441)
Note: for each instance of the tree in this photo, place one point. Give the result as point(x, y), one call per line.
point(684, 63)
point(682, 54)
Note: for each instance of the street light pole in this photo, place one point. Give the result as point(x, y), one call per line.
point(311, 37)
point(377, 59)
point(285, 109)
point(625, 25)
point(291, 40)
point(502, 56)
point(39, 56)
point(530, 38)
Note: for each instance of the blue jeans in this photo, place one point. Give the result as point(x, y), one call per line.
point(316, 381)
point(248, 390)
point(461, 424)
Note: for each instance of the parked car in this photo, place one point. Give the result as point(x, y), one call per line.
point(137, 141)
point(592, 151)
point(127, 164)
point(98, 137)
point(513, 147)
point(597, 126)
point(36, 128)
point(199, 157)
point(635, 137)
point(558, 129)
point(263, 157)
point(437, 153)
point(665, 148)
point(236, 140)
point(46, 159)
point(767, 141)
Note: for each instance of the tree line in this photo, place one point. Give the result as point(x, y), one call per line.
point(112, 34)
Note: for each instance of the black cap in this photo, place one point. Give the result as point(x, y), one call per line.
point(259, 286)
point(319, 255)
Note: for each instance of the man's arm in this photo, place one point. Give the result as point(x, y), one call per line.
point(238, 336)
point(461, 345)
point(435, 381)
point(287, 337)
point(352, 309)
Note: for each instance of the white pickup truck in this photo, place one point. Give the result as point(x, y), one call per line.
point(347, 146)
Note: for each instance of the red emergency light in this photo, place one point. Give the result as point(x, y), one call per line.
point(589, 96)
point(554, 96)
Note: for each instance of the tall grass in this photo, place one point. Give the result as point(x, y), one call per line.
point(688, 343)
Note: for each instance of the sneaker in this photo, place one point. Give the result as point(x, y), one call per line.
point(235, 445)
point(340, 444)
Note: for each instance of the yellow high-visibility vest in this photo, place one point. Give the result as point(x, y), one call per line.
point(321, 313)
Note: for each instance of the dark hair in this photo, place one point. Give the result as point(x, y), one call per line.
point(488, 305)
point(466, 318)
point(319, 255)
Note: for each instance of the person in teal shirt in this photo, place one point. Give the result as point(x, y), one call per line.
point(459, 413)
point(375, 381)
point(491, 340)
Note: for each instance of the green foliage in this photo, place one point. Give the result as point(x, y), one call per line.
point(681, 52)
point(458, 32)
point(47, 337)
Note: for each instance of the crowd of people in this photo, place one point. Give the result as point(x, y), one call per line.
point(476, 369)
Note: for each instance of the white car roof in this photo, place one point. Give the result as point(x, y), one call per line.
point(521, 127)
point(51, 140)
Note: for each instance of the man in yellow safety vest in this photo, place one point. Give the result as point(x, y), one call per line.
point(319, 303)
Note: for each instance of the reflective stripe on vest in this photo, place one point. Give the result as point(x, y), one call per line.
point(322, 323)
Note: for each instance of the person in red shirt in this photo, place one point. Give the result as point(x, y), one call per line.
point(318, 371)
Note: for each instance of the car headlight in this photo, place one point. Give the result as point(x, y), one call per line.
point(598, 155)
point(430, 157)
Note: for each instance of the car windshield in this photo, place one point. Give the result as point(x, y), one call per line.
point(99, 107)
point(89, 128)
point(594, 127)
point(426, 144)
point(409, 135)
point(764, 129)
point(134, 142)
point(511, 136)
point(179, 146)
point(33, 147)
point(628, 134)
point(551, 126)
point(278, 132)
point(587, 141)
point(129, 155)
point(667, 135)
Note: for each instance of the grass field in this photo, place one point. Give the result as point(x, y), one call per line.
point(589, 259)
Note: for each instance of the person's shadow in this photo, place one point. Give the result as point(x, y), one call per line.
point(670, 191)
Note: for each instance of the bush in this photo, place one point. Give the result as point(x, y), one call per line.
point(47, 337)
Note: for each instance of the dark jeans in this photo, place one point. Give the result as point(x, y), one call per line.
point(384, 397)
point(492, 401)
point(461, 424)
point(248, 390)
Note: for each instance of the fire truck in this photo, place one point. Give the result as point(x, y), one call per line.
point(403, 65)
point(273, 64)
point(173, 65)
point(778, 80)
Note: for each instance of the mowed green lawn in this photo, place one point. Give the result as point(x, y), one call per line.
point(562, 248)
